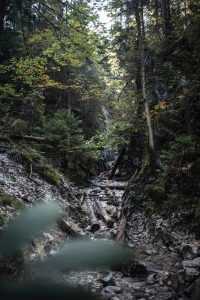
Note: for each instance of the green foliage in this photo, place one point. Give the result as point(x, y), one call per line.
point(175, 190)
point(116, 136)
point(63, 131)
point(66, 139)
point(26, 154)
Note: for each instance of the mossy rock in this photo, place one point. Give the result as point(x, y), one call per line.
point(8, 200)
point(50, 175)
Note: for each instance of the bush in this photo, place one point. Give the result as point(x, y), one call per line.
point(176, 190)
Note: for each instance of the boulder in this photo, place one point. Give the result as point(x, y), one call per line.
point(111, 289)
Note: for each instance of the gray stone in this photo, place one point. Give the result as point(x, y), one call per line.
point(108, 279)
point(138, 285)
point(186, 251)
point(151, 252)
point(191, 274)
point(112, 289)
point(151, 279)
point(195, 263)
point(48, 237)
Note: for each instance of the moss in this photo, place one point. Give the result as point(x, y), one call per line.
point(6, 199)
point(156, 191)
point(50, 175)
point(150, 207)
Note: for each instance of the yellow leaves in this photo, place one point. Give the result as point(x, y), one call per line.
point(158, 108)
point(33, 72)
point(161, 105)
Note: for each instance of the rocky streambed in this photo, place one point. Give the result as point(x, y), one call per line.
point(167, 261)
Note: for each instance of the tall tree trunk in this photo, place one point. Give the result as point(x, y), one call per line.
point(3, 7)
point(166, 17)
point(141, 36)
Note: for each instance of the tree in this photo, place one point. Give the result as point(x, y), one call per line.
point(141, 44)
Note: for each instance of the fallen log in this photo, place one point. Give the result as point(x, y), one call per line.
point(29, 137)
point(95, 226)
point(108, 220)
point(117, 186)
point(121, 231)
point(70, 228)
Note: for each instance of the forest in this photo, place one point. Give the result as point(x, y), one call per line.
point(100, 111)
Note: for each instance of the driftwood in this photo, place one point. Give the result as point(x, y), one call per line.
point(70, 228)
point(118, 161)
point(95, 226)
point(116, 186)
point(108, 220)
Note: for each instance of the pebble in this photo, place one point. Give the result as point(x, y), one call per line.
point(112, 289)
point(108, 279)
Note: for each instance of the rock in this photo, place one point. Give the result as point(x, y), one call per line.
point(108, 280)
point(161, 282)
point(151, 252)
point(195, 263)
point(187, 251)
point(191, 274)
point(138, 285)
point(47, 248)
point(138, 269)
point(88, 228)
point(53, 252)
point(180, 276)
point(150, 291)
point(111, 289)
point(151, 279)
point(166, 237)
point(113, 233)
point(162, 277)
point(48, 237)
